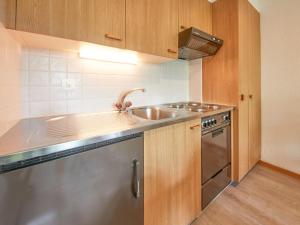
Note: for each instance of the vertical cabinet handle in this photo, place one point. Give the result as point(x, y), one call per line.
point(242, 97)
point(136, 179)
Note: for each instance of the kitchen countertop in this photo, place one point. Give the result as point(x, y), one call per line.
point(38, 137)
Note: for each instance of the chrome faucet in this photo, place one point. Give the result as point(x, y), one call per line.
point(121, 105)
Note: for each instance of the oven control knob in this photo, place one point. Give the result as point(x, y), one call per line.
point(210, 123)
point(204, 124)
point(215, 121)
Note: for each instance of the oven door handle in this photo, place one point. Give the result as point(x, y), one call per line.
point(217, 132)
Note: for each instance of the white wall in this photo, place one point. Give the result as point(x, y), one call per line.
point(281, 83)
point(195, 84)
point(59, 82)
point(10, 107)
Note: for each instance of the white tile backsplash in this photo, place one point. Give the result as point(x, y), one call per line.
point(55, 82)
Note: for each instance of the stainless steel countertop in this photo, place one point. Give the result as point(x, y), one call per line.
point(37, 137)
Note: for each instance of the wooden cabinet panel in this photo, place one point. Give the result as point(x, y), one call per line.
point(220, 73)
point(254, 88)
point(234, 73)
point(97, 21)
point(171, 175)
point(244, 72)
point(196, 13)
point(7, 13)
point(152, 27)
point(105, 22)
point(193, 159)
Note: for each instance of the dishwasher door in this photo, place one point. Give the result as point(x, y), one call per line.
point(215, 152)
point(103, 186)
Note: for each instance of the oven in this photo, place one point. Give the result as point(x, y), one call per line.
point(215, 156)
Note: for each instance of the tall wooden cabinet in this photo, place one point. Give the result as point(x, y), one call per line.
point(195, 13)
point(233, 77)
point(97, 21)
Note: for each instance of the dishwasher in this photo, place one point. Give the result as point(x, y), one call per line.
point(102, 185)
point(215, 155)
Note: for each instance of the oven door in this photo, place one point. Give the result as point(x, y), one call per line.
point(215, 152)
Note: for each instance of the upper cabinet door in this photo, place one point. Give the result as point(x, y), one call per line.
point(97, 21)
point(7, 13)
point(152, 27)
point(196, 13)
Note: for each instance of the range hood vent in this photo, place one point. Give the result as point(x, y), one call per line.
point(195, 44)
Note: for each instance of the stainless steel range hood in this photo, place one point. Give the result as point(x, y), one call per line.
point(194, 44)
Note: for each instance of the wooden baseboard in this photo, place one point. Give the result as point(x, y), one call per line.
point(279, 169)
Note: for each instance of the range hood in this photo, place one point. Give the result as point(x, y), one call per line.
point(195, 44)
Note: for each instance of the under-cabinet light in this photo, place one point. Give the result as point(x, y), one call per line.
point(108, 54)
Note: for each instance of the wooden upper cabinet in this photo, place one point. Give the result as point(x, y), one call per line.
point(152, 27)
point(7, 13)
point(96, 21)
point(196, 13)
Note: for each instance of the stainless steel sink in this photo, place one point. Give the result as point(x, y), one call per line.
point(153, 113)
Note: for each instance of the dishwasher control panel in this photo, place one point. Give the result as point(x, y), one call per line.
point(215, 120)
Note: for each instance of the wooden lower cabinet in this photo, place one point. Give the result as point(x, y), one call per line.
point(172, 174)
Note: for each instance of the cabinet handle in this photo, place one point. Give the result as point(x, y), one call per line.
point(172, 51)
point(136, 179)
point(242, 97)
point(250, 96)
point(108, 36)
point(183, 27)
point(194, 127)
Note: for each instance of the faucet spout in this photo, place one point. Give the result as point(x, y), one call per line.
point(121, 105)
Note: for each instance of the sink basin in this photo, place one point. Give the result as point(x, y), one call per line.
point(153, 113)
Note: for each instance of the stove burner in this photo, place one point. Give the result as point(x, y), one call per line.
point(177, 106)
point(194, 106)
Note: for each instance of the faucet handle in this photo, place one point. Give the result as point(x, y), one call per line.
point(118, 106)
point(128, 104)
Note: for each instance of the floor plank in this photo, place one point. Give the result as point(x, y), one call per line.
point(264, 197)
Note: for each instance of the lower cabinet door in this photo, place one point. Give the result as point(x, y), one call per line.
point(172, 174)
point(103, 186)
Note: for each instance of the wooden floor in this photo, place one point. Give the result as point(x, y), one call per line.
point(264, 197)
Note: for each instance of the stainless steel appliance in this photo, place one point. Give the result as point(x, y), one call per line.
point(100, 185)
point(216, 156)
point(194, 44)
